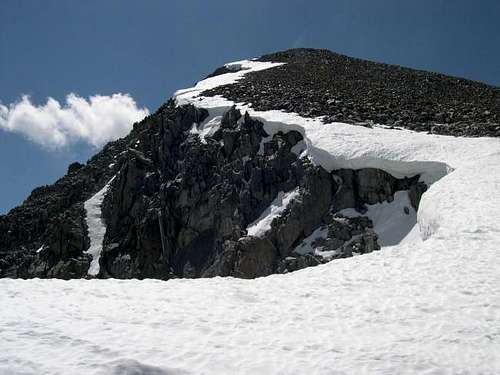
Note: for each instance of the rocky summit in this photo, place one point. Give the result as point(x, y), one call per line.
point(317, 83)
point(238, 201)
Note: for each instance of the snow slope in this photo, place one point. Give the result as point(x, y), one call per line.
point(96, 227)
point(430, 304)
point(263, 223)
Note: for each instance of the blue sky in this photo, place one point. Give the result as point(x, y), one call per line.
point(148, 49)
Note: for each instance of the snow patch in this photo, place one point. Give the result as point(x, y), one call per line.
point(259, 227)
point(186, 96)
point(208, 127)
point(392, 221)
point(308, 245)
point(96, 227)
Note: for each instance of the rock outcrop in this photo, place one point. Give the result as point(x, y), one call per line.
point(182, 205)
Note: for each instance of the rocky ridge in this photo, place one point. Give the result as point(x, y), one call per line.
point(316, 83)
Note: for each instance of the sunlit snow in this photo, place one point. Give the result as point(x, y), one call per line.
point(96, 227)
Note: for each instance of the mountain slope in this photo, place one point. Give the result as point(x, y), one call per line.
point(202, 188)
point(265, 182)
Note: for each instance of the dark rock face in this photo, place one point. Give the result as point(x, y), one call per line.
point(180, 206)
point(203, 195)
point(321, 83)
point(61, 255)
point(255, 257)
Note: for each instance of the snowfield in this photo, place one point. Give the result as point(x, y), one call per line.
point(430, 309)
point(428, 304)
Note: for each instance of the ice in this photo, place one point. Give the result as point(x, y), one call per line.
point(262, 224)
point(96, 227)
point(430, 304)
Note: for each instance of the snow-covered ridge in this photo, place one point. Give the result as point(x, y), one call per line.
point(96, 227)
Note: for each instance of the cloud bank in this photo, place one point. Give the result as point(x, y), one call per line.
point(95, 121)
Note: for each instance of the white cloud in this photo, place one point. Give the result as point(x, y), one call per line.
point(95, 121)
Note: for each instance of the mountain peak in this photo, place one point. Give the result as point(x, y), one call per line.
point(317, 82)
point(269, 165)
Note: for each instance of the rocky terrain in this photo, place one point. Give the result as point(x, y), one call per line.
point(180, 207)
point(239, 201)
point(316, 83)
